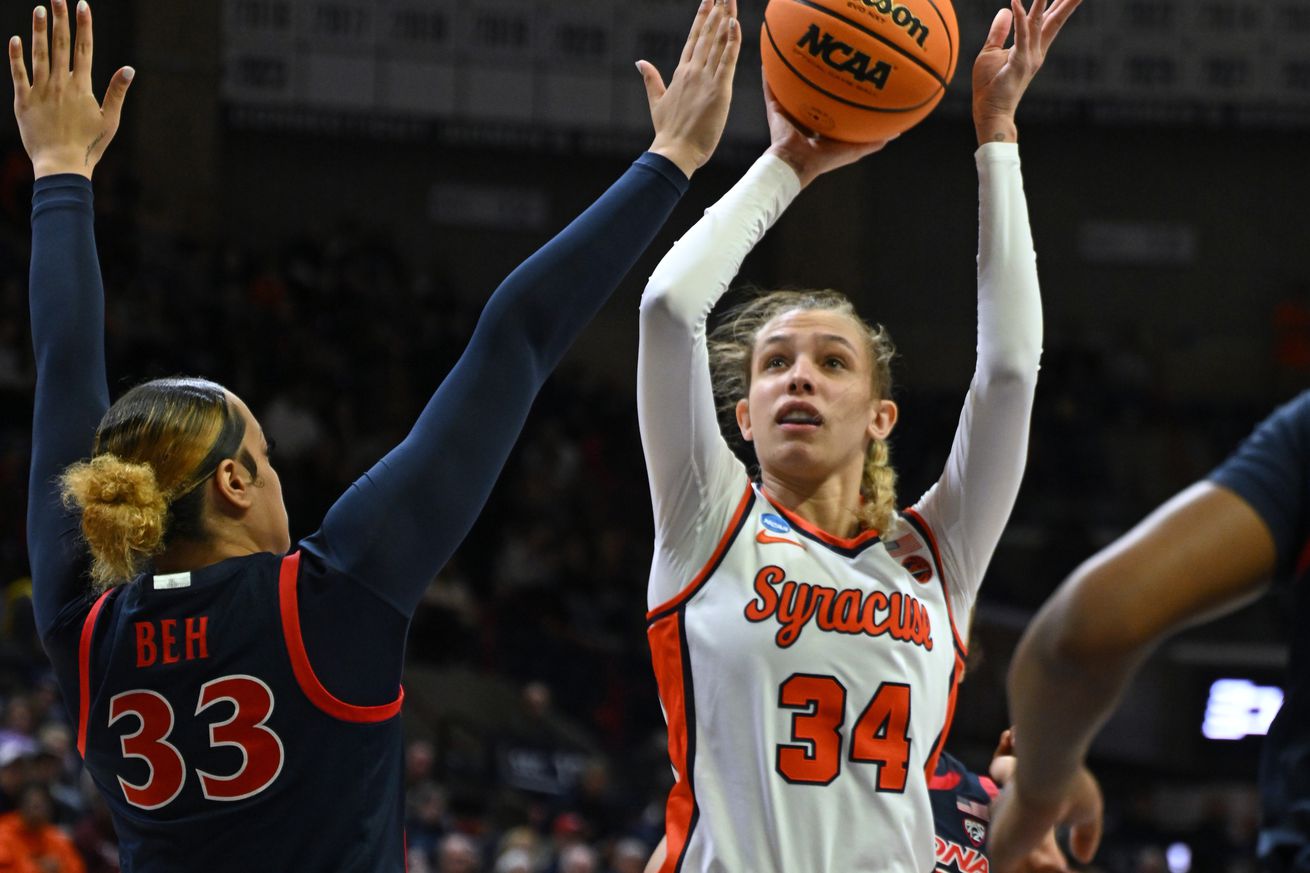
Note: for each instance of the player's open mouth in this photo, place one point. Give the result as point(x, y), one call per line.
point(799, 416)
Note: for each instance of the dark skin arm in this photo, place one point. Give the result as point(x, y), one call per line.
point(1203, 554)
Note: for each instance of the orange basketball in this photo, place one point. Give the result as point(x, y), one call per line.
point(859, 70)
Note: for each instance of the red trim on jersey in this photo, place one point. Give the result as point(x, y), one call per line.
point(84, 670)
point(957, 673)
point(288, 599)
point(1303, 562)
point(837, 542)
point(724, 541)
point(941, 571)
point(666, 655)
point(945, 782)
point(989, 786)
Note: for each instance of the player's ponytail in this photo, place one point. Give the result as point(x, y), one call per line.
point(732, 346)
point(139, 491)
point(878, 488)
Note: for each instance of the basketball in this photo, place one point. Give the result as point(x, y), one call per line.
point(859, 70)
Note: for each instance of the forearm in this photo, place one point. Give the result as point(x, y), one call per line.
point(687, 459)
point(400, 522)
point(1062, 690)
point(972, 501)
point(547, 301)
point(67, 311)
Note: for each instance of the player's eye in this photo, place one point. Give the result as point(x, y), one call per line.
point(833, 362)
point(773, 362)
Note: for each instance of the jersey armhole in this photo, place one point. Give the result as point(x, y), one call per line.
point(734, 527)
point(917, 522)
point(84, 670)
point(289, 604)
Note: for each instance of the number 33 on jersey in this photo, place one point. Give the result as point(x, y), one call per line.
point(197, 698)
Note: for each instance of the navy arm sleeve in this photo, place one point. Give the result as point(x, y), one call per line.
point(1271, 471)
point(397, 525)
point(72, 394)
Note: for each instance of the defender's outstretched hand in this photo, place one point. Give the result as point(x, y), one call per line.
point(808, 154)
point(64, 128)
point(1021, 826)
point(1001, 75)
point(690, 113)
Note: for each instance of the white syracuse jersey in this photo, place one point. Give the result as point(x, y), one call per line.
point(808, 683)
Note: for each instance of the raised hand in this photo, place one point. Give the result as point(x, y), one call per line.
point(1001, 75)
point(64, 128)
point(691, 111)
point(1021, 838)
point(808, 154)
point(1045, 856)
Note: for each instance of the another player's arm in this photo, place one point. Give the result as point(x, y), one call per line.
point(400, 522)
point(1203, 553)
point(65, 131)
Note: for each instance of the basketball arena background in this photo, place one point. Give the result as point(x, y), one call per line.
point(309, 201)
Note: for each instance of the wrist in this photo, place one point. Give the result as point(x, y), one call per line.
point(54, 166)
point(797, 164)
point(685, 158)
point(996, 129)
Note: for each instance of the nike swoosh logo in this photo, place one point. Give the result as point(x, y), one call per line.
point(764, 539)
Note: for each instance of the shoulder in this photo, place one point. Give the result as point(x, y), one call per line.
point(1270, 470)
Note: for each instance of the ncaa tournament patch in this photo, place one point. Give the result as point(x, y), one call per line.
point(775, 523)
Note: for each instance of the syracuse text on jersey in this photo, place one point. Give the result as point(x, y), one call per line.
point(794, 604)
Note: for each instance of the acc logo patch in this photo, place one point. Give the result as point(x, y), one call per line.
point(918, 567)
point(976, 830)
point(775, 523)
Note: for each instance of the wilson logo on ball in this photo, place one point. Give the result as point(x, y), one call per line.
point(902, 17)
point(844, 58)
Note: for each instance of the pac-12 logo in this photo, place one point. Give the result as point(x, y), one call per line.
point(844, 58)
point(976, 830)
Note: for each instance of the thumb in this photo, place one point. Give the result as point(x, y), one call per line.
point(653, 81)
point(1084, 837)
point(116, 93)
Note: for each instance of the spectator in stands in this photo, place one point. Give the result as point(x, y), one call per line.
point(30, 843)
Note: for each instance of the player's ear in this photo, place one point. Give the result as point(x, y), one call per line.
point(882, 418)
point(744, 420)
point(233, 483)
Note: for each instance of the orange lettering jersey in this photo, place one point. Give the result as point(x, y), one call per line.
point(804, 679)
point(808, 681)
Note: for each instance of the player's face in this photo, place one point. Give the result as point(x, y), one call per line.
point(267, 518)
point(812, 412)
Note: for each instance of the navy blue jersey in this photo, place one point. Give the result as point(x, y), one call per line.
point(1271, 472)
point(206, 729)
point(169, 685)
point(960, 802)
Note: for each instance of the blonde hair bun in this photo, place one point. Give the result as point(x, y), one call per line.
point(124, 514)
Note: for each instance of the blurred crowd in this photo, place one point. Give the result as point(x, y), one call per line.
point(336, 343)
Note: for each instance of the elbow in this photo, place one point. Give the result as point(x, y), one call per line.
point(1012, 374)
point(659, 307)
point(1083, 633)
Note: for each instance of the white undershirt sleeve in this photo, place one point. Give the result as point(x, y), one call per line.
point(695, 480)
point(967, 508)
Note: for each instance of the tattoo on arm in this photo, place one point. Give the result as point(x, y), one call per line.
point(95, 142)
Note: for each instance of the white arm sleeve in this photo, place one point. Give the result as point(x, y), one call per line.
point(969, 505)
point(695, 480)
